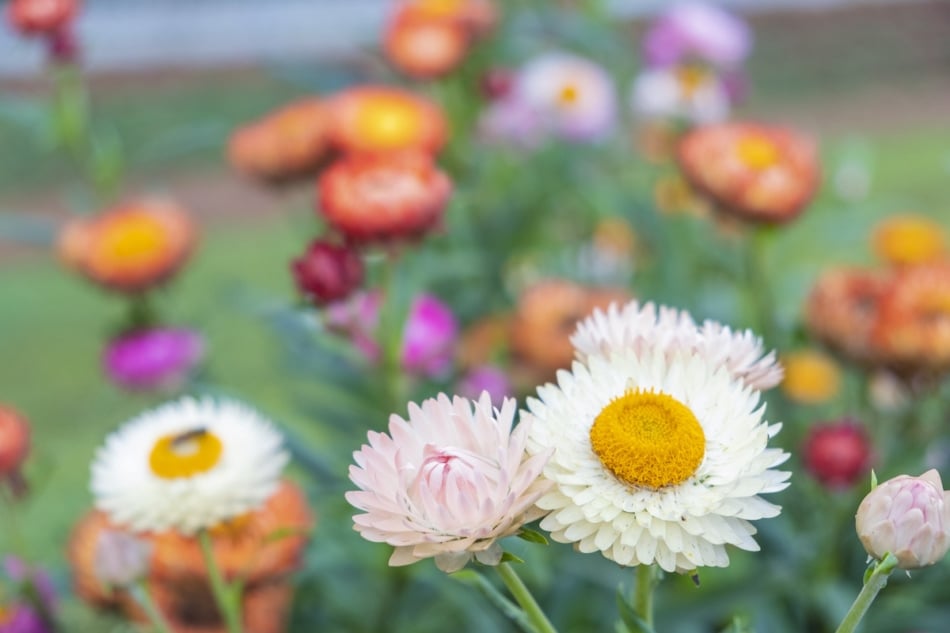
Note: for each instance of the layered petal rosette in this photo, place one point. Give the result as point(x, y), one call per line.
point(660, 456)
point(638, 326)
point(448, 482)
point(188, 465)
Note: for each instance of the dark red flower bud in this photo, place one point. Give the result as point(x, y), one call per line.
point(497, 83)
point(838, 454)
point(327, 272)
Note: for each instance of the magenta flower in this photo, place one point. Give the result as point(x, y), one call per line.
point(37, 605)
point(489, 379)
point(447, 483)
point(696, 31)
point(21, 618)
point(156, 359)
point(429, 335)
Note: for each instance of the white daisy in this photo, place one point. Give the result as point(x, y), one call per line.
point(187, 465)
point(694, 95)
point(636, 326)
point(659, 457)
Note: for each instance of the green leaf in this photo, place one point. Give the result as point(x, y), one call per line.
point(630, 618)
point(532, 536)
point(506, 606)
point(873, 479)
point(508, 557)
point(739, 624)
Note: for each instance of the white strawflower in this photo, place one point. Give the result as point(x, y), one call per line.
point(689, 94)
point(448, 482)
point(659, 457)
point(635, 326)
point(187, 465)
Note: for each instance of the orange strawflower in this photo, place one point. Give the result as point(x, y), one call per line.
point(913, 328)
point(373, 119)
point(41, 17)
point(383, 197)
point(425, 49)
point(483, 340)
point(478, 17)
point(909, 239)
point(547, 314)
point(285, 144)
point(130, 248)
point(188, 606)
point(760, 173)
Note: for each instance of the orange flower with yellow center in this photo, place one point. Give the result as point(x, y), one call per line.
point(374, 119)
point(811, 377)
point(478, 17)
point(760, 173)
point(130, 248)
point(285, 144)
point(909, 239)
point(425, 48)
point(383, 197)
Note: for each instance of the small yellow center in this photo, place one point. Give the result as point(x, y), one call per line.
point(438, 8)
point(691, 78)
point(133, 237)
point(387, 123)
point(811, 377)
point(185, 454)
point(905, 240)
point(569, 94)
point(648, 439)
point(758, 152)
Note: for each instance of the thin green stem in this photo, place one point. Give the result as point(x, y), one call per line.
point(643, 593)
point(226, 596)
point(520, 592)
point(141, 595)
point(872, 586)
point(758, 284)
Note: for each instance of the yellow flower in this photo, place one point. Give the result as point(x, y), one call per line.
point(811, 377)
point(908, 239)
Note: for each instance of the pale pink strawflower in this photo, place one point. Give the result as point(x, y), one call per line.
point(447, 483)
point(697, 31)
point(908, 517)
point(121, 558)
point(636, 326)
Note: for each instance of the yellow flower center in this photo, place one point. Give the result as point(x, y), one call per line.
point(439, 8)
point(648, 439)
point(691, 78)
point(568, 95)
point(134, 237)
point(811, 377)
point(758, 152)
point(185, 454)
point(388, 123)
point(909, 240)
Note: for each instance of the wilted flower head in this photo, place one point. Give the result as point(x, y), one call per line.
point(14, 441)
point(41, 17)
point(637, 327)
point(759, 173)
point(447, 483)
point(327, 272)
point(573, 97)
point(909, 239)
point(157, 359)
point(811, 377)
point(374, 119)
point(383, 197)
point(908, 517)
point(132, 247)
point(697, 31)
point(288, 143)
point(121, 558)
point(838, 453)
point(687, 93)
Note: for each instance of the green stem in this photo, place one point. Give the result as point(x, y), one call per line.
point(758, 284)
point(536, 616)
point(643, 594)
point(872, 586)
point(226, 596)
point(141, 595)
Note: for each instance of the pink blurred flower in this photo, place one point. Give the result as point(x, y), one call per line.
point(35, 609)
point(21, 618)
point(121, 558)
point(908, 517)
point(429, 335)
point(837, 454)
point(511, 121)
point(489, 379)
point(447, 483)
point(155, 359)
point(696, 31)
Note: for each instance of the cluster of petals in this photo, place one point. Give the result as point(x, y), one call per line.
point(130, 248)
point(684, 94)
point(41, 17)
point(447, 483)
point(426, 39)
point(898, 318)
point(697, 31)
point(639, 327)
point(156, 359)
point(759, 173)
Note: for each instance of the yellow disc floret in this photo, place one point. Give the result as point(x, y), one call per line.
point(185, 454)
point(388, 122)
point(909, 239)
point(758, 152)
point(648, 439)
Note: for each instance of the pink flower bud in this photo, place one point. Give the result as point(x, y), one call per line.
point(121, 558)
point(908, 517)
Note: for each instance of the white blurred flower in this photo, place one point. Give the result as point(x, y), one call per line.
point(187, 465)
point(659, 457)
point(682, 93)
point(447, 483)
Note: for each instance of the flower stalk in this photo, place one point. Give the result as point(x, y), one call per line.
point(539, 621)
point(643, 593)
point(226, 595)
point(873, 584)
point(140, 593)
